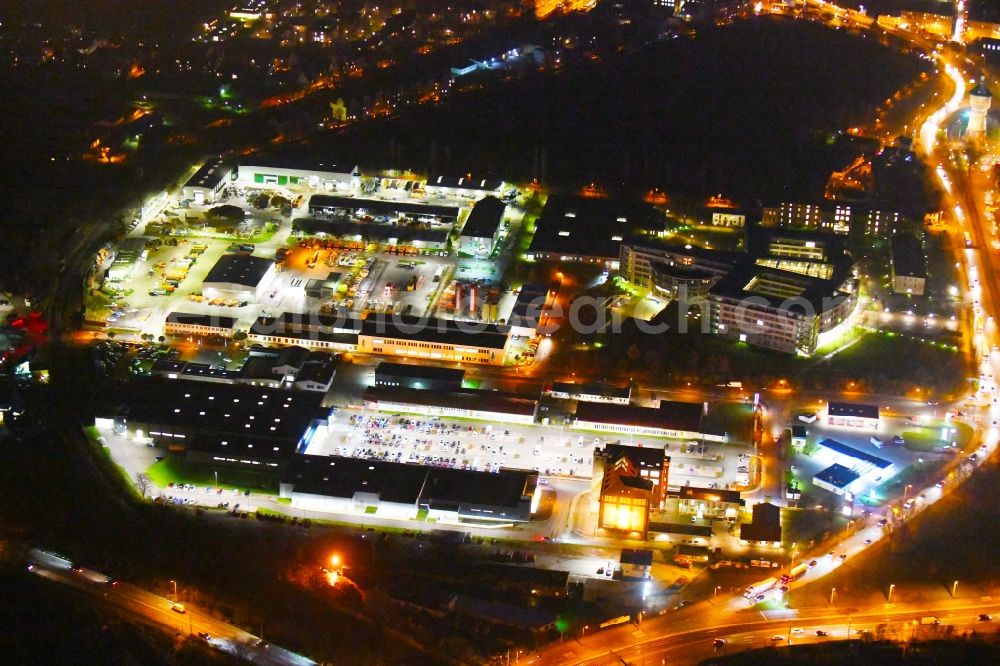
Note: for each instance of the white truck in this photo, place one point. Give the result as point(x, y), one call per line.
point(753, 591)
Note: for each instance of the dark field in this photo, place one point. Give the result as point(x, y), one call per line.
point(955, 539)
point(743, 109)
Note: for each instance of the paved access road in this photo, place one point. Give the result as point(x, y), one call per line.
point(135, 603)
point(688, 643)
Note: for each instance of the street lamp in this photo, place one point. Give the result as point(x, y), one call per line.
point(906, 490)
point(716, 593)
point(892, 586)
point(335, 560)
point(954, 588)
point(175, 589)
point(833, 594)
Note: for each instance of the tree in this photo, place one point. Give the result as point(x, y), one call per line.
point(142, 481)
point(227, 212)
point(162, 339)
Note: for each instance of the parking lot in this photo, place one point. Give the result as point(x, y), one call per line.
point(550, 450)
point(148, 300)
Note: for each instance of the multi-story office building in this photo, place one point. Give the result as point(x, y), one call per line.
point(839, 217)
point(674, 271)
point(779, 309)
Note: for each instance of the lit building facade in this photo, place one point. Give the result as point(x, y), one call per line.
point(647, 462)
point(980, 100)
point(779, 309)
point(624, 500)
point(673, 272)
point(838, 217)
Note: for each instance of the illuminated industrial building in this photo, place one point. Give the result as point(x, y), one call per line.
point(979, 108)
point(400, 336)
point(625, 499)
point(650, 463)
point(208, 182)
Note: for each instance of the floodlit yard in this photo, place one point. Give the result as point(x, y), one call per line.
point(173, 469)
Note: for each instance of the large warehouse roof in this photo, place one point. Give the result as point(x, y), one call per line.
point(379, 206)
point(209, 175)
point(467, 399)
point(485, 218)
point(404, 483)
point(682, 416)
point(296, 164)
point(465, 183)
point(227, 412)
point(239, 269)
point(334, 476)
point(386, 369)
point(590, 227)
point(371, 231)
point(217, 321)
point(436, 331)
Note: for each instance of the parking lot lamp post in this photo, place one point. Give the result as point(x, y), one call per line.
point(175, 589)
point(954, 588)
point(892, 586)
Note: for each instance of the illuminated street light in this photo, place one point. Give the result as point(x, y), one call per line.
point(335, 560)
point(892, 586)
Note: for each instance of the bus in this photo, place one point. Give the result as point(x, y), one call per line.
point(797, 571)
point(968, 240)
point(752, 591)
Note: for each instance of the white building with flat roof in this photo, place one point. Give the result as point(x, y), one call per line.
point(270, 171)
point(208, 182)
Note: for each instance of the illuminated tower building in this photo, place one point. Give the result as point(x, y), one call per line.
point(959, 22)
point(979, 106)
